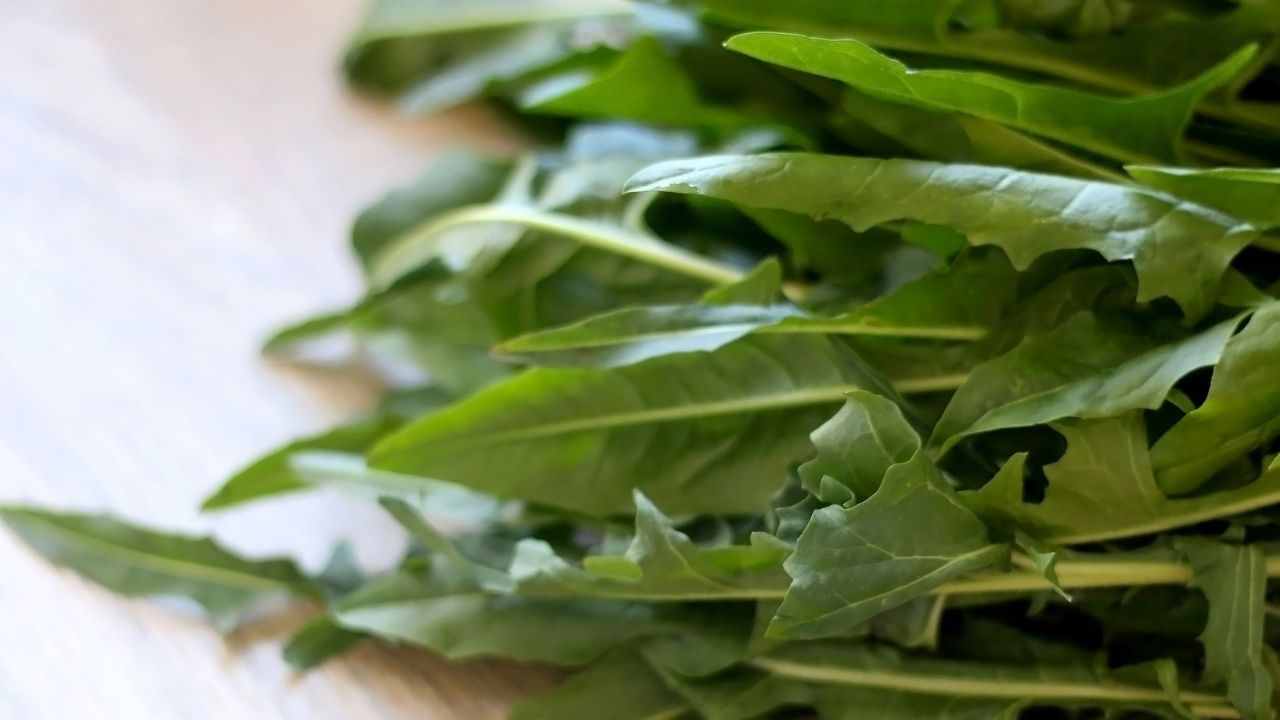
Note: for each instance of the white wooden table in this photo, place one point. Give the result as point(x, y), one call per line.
point(177, 178)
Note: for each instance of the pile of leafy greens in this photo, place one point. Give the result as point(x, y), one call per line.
point(835, 358)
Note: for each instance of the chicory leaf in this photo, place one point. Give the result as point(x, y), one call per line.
point(1179, 250)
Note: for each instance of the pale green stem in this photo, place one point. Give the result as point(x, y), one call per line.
point(1001, 688)
point(414, 249)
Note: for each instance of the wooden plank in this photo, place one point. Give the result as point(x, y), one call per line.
point(177, 179)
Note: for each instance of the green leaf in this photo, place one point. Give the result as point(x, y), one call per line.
point(645, 85)
point(462, 620)
point(1103, 488)
point(1089, 367)
point(622, 682)
point(277, 473)
point(1241, 413)
point(741, 694)
point(761, 286)
point(317, 642)
point(660, 564)
point(852, 563)
point(859, 444)
point(1145, 57)
point(953, 137)
point(453, 179)
point(1247, 193)
point(1129, 129)
point(1235, 581)
point(136, 562)
point(1180, 250)
point(940, 305)
point(718, 441)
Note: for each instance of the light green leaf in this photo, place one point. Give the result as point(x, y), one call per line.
point(644, 85)
point(453, 179)
point(1127, 129)
point(1235, 581)
point(136, 562)
point(1103, 488)
point(1247, 193)
point(277, 472)
point(852, 563)
point(953, 137)
point(718, 441)
point(1241, 413)
point(661, 564)
point(461, 620)
point(1179, 250)
point(940, 305)
point(1087, 368)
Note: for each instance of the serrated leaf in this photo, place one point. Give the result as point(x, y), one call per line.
point(1240, 414)
point(1103, 488)
point(852, 563)
point(137, 562)
point(1179, 250)
point(1235, 581)
point(1090, 367)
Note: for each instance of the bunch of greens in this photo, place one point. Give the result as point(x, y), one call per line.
point(848, 358)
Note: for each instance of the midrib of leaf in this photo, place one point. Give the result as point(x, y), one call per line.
point(1170, 518)
point(937, 332)
point(487, 19)
point(180, 568)
point(976, 688)
point(771, 401)
point(1072, 574)
point(934, 332)
point(398, 259)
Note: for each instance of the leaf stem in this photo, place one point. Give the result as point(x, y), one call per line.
point(1003, 688)
point(416, 248)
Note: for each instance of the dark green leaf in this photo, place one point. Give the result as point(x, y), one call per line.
point(1241, 413)
point(852, 563)
point(718, 441)
point(1103, 488)
point(1126, 129)
point(1179, 250)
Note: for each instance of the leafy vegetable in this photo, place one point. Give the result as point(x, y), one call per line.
point(904, 359)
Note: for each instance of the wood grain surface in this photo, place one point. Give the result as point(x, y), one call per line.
point(177, 178)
